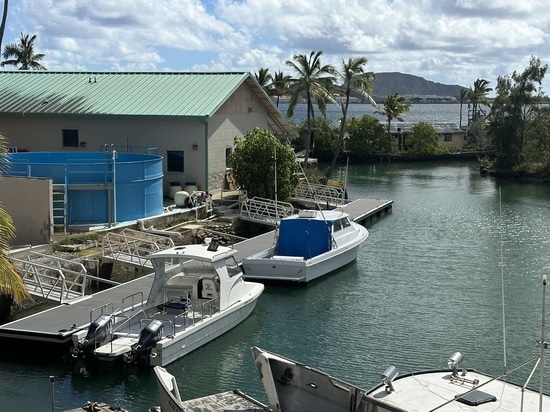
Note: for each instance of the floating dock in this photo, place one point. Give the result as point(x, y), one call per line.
point(57, 325)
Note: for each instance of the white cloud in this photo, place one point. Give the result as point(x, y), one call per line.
point(452, 42)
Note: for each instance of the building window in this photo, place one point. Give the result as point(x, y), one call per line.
point(174, 161)
point(228, 151)
point(70, 138)
point(448, 137)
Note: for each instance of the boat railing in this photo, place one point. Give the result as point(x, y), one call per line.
point(102, 310)
point(133, 297)
point(265, 210)
point(209, 307)
point(118, 326)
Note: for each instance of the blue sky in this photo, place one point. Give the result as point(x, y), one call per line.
point(446, 41)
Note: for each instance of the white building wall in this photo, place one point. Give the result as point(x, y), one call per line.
point(29, 203)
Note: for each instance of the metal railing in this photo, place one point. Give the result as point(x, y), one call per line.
point(319, 194)
point(52, 277)
point(265, 210)
point(132, 246)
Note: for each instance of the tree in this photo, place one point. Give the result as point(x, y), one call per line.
point(394, 107)
point(367, 136)
point(311, 80)
point(3, 24)
point(253, 164)
point(352, 76)
point(424, 140)
point(461, 98)
point(280, 85)
point(478, 97)
point(22, 54)
point(11, 283)
point(325, 138)
point(264, 79)
point(516, 114)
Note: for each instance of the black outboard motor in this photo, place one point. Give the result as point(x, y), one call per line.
point(98, 334)
point(148, 338)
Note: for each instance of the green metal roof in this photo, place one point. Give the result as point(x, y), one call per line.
point(128, 93)
point(116, 93)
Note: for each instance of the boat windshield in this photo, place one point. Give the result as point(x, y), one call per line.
point(233, 268)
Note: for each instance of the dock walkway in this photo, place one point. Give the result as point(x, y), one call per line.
point(59, 323)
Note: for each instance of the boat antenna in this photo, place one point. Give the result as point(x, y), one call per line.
point(502, 280)
point(542, 343)
point(276, 203)
point(345, 183)
point(315, 197)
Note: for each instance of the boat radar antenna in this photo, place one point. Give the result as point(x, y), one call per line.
point(317, 201)
point(502, 281)
point(542, 344)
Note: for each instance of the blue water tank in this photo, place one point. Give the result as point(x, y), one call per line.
point(100, 187)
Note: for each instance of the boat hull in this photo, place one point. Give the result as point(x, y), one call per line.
point(171, 349)
point(268, 266)
point(169, 396)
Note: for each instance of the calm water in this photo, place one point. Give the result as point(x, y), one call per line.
point(426, 283)
point(430, 113)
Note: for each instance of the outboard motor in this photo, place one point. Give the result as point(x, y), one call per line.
point(98, 334)
point(148, 338)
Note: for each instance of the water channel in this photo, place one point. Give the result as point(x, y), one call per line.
point(429, 281)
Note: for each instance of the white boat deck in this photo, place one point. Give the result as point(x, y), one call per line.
point(437, 392)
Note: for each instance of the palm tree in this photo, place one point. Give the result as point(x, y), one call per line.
point(461, 98)
point(477, 97)
point(394, 107)
point(11, 283)
point(22, 54)
point(352, 76)
point(311, 80)
point(280, 85)
point(264, 79)
point(3, 24)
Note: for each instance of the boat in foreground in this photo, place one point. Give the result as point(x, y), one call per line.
point(292, 387)
point(307, 246)
point(170, 400)
point(198, 293)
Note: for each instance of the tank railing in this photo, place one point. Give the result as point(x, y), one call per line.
point(85, 176)
point(319, 194)
point(127, 248)
point(52, 281)
point(133, 297)
point(265, 210)
point(129, 148)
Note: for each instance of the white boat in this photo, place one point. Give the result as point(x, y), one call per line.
point(170, 400)
point(198, 293)
point(169, 393)
point(293, 387)
point(307, 246)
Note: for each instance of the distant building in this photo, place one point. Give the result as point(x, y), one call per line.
point(449, 133)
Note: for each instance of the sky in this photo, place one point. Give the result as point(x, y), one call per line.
point(445, 41)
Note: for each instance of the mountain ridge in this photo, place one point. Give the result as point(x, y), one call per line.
point(408, 85)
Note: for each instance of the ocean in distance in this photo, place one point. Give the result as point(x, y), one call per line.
point(426, 283)
point(421, 112)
